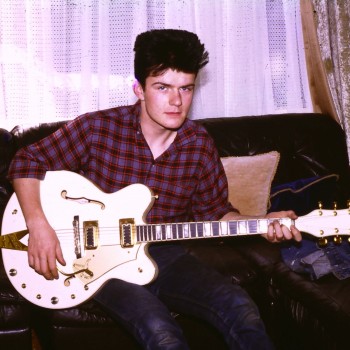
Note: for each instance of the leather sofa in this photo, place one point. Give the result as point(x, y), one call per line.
point(299, 313)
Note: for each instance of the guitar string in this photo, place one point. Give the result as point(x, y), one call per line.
point(114, 230)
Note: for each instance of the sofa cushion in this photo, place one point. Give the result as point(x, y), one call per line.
point(303, 195)
point(249, 181)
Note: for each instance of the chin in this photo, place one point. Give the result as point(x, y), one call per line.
point(175, 126)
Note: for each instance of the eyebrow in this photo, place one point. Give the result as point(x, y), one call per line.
point(169, 85)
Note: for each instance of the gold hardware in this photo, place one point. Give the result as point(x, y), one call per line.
point(72, 275)
point(13, 272)
point(91, 234)
point(12, 241)
point(337, 240)
point(322, 242)
point(72, 296)
point(24, 285)
point(54, 300)
point(127, 231)
point(38, 296)
point(335, 207)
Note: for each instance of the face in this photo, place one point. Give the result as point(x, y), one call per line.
point(166, 99)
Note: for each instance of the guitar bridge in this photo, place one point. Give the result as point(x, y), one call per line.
point(127, 231)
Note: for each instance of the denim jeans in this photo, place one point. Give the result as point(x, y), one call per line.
point(187, 286)
point(308, 258)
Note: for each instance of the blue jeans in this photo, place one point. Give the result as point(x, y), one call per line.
point(307, 257)
point(187, 286)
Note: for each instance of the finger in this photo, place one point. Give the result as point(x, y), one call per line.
point(59, 256)
point(31, 260)
point(296, 233)
point(45, 269)
point(278, 233)
point(270, 232)
point(286, 232)
point(52, 268)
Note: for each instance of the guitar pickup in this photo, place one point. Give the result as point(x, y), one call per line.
point(127, 231)
point(91, 234)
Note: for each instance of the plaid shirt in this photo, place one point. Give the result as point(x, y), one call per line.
point(108, 148)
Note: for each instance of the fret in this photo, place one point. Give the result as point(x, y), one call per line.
point(216, 229)
point(152, 233)
point(233, 227)
point(163, 232)
point(263, 225)
point(200, 229)
point(139, 233)
point(174, 231)
point(144, 229)
point(157, 233)
point(224, 228)
point(252, 226)
point(180, 233)
point(242, 227)
point(207, 229)
point(168, 232)
point(193, 230)
point(186, 230)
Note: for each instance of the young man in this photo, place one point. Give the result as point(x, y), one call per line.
point(151, 142)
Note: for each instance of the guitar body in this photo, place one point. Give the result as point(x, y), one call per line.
point(69, 198)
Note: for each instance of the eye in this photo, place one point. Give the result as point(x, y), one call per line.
point(187, 88)
point(161, 87)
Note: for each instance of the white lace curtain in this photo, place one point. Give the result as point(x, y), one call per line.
point(63, 58)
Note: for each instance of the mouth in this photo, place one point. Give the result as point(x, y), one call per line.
point(174, 114)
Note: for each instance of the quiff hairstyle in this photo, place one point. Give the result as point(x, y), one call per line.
point(160, 49)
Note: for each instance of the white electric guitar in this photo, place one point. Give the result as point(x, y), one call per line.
point(104, 236)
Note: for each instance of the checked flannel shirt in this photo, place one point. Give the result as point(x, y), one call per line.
point(108, 148)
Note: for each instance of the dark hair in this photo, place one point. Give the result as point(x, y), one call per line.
point(160, 49)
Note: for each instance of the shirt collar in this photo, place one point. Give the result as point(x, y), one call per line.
point(185, 134)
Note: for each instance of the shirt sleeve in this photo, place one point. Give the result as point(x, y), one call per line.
point(65, 149)
point(211, 199)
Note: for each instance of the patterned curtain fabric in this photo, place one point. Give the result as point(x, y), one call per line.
point(333, 31)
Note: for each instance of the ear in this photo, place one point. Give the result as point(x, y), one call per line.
point(138, 90)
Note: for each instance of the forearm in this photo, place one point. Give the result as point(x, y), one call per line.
point(28, 194)
point(44, 247)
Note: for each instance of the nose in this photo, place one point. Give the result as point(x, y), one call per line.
point(175, 98)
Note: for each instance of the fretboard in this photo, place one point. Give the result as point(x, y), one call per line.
point(207, 229)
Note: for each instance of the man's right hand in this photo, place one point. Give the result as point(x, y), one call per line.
point(44, 250)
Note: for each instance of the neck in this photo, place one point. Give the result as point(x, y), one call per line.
point(158, 138)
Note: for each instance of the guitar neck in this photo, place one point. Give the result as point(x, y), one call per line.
point(207, 229)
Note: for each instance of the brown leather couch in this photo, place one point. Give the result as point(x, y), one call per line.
point(298, 313)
